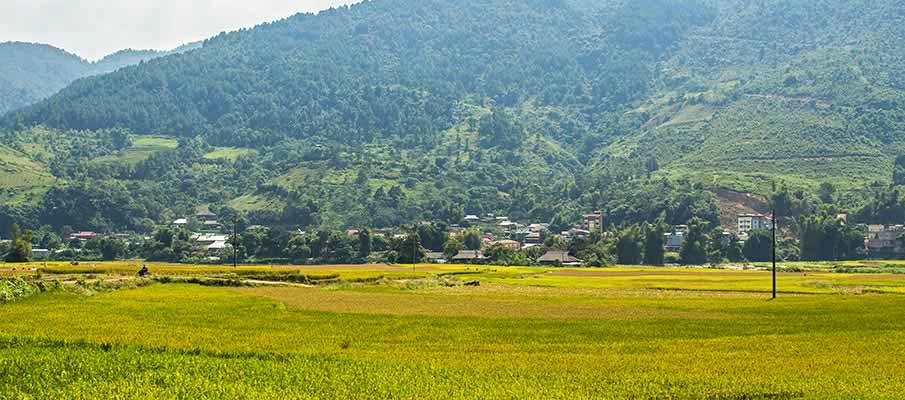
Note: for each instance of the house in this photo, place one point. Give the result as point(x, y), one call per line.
point(509, 244)
point(82, 236)
point(435, 257)
point(40, 254)
point(674, 241)
point(209, 239)
point(205, 215)
point(217, 247)
point(181, 222)
point(469, 256)
point(593, 222)
point(559, 257)
point(575, 232)
point(533, 238)
point(752, 222)
point(472, 218)
point(508, 225)
point(211, 225)
point(886, 242)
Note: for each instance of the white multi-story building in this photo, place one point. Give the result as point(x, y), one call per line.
point(753, 222)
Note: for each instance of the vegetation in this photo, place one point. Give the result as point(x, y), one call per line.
point(538, 337)
point(586, 105)
point(30, 72)
point(19, 247)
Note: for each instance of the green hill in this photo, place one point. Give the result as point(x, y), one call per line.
point(397, 110)
point(30, 72)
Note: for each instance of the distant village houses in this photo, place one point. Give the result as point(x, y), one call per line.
point(886, 242)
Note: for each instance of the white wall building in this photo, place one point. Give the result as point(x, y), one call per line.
point(752, 222)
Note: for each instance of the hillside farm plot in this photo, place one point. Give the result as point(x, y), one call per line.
point(229, 153)
point(22, 180)
point(386, 331)
point(141, 149)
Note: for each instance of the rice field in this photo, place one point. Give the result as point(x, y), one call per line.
point(384, 331)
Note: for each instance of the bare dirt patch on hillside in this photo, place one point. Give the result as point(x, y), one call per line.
point(732, 204)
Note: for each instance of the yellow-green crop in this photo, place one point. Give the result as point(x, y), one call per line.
point(524, 333)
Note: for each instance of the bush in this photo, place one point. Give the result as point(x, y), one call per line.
point(19, 288)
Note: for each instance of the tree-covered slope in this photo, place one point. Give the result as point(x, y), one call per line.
point(398, 110)
point(30, 72)
point(382, 68)
point(802, 92)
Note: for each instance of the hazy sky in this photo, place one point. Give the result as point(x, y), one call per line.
point(95, 28)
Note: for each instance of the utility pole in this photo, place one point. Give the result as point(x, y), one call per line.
point(774, 252)
point(414, 247)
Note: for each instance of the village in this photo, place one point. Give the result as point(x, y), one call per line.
point(476, 240)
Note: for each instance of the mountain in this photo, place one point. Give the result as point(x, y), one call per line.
point(397, 110)
point(30, 72)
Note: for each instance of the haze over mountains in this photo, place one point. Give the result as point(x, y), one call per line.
point(30, 72)
point(398, 110)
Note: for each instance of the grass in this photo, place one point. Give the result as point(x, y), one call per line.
point(229, 153)
point(254, 202)
point(141, 149)
point(525, 333)
point(22, 180)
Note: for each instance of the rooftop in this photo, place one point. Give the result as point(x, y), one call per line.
point(558, 255)
point(469, 255)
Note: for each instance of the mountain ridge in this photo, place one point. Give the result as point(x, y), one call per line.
point(541, 110)
point(30, 72)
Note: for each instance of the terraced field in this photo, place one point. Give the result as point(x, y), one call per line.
point(21, 179)
point(387, 331)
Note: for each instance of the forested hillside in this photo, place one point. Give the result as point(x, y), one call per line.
point(31, 72)
point(398, 110)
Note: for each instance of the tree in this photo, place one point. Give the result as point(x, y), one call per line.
point(20, 245)
point(452, 247)
point(734, 252)
point(432, 236)
point(364, 244)
point(628, 247)
point(826, 238)
point(759, 246)
point(499, 254)
point(112, 249)
point(408, 247)
point(298, 249)
point(472, 239)
point(715, 248)
point(694, 249)
point(46, 238)
point(4, 248)
point(555, 242)
point(499, 128)
point(171, 245)
point(654, 243)
point(898, 172)
point(826, 192)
